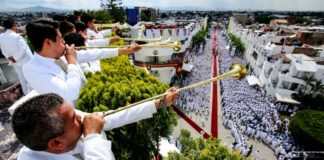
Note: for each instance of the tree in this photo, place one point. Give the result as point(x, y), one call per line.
point(240, 48)
point(116, 85)
point(164, 15)
point(199, 38)
point(264, 19)
point(201, 149)
point(100, 16)
point(146, 15)
point(113, 7)
point(307, 129)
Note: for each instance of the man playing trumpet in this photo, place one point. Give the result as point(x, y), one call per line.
point(92, 30)
point(50, 128)
point(54, 67)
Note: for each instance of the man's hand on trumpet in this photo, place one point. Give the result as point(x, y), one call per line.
point(114, 39)
point(114, 29)
point(70, 54)
point(169, 99)
point(129, 50)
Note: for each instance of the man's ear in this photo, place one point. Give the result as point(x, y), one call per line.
point(55, 145)
point(47, 43)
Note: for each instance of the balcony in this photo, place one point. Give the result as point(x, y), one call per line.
point(157, 65)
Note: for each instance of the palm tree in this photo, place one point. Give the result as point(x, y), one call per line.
point(309, 80)
point(318, 87)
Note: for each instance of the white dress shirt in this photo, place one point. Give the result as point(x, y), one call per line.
point(95, 146)
point(100, 34)
point(14, 45)
point(45, 76)
point(94, 66)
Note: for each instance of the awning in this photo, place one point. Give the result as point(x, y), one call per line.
point(286, 99)
point(252, 80)
point(187, 67)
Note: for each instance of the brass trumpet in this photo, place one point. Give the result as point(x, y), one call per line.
point(237, 71)
point(124, 26)
point(175, 45)
point(135, 39)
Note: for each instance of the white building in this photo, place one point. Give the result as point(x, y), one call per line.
point(279, 67)
point(165, 63)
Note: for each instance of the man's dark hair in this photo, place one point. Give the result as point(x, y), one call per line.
point(80, 26)
point(77, 13)
point(66, 27)
point(59, 18)
point(8, 23)
point(71, 18)
point(74, 38)
point(35, 123)
point(39, 30)
point(86, 18)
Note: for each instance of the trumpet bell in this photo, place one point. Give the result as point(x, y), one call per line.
point(242, 71)
point(177, 46)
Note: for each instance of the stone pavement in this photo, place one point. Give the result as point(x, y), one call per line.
point(9, 146)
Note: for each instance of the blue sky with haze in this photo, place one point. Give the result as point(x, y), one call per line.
point(306, 5)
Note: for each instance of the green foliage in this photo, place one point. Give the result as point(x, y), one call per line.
point(307, 128)
point(114, 8)
point(264, 18)
point(227, 27)
point(300, 21)
point(116, 85)
point(146, 15)
point(240, 48)
point(201, 149)
point(199, 38)
point(100, 16)
point(29, 44)
point(164, 15)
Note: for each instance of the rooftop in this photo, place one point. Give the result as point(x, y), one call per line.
point(270, 46)
point(305, 66)
point(298, 56)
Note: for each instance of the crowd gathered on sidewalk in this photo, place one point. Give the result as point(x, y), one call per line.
point(197, 100)
point(249, 113)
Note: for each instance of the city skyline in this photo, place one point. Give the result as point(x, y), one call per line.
point(291, 5)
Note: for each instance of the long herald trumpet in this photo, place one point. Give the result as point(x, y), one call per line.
point(237, 71)
point(135, 39)
point(118, 25)
point(175, 45)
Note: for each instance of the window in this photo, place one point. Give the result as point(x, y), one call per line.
point(153, 59)
point(293, 86)
point(285, 84)
point(155, 73)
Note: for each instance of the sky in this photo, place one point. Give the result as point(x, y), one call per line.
point(305, 5)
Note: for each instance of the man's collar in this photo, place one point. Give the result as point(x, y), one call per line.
point(10, 31)
point(38, 56)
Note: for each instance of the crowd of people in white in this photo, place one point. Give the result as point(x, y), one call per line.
point(197, 100)
point(248, 112)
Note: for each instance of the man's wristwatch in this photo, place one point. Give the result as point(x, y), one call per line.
point(163, 104)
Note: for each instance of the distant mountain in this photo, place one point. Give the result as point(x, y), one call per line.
point(34, 9)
